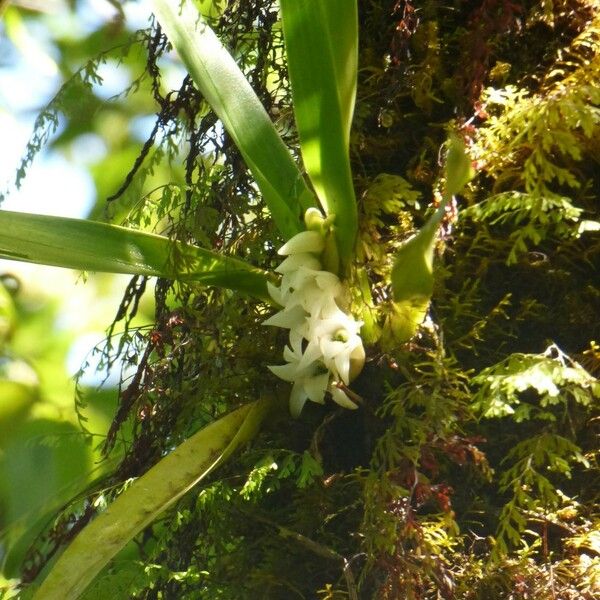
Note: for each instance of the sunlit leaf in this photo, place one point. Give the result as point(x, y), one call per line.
point(321, 41)
point(224, 86)
point(146, 498)
point(93, 246)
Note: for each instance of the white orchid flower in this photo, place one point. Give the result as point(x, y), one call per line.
point(325, 346)
point(337, 350)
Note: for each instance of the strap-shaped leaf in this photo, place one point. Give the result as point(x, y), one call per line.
point(93, 246)
point(146, 498)
point(224, 86)
point(321, 40)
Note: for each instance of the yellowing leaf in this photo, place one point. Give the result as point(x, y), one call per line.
point(146, 498)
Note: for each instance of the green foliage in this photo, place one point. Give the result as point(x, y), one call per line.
point(94, 246)
point(384, 211)
point(532, 142)
point(533, 494)
point(534, 217)
point(266, 475)
point(554, 376)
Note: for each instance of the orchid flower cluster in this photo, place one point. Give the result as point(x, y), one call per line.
point(325, 350)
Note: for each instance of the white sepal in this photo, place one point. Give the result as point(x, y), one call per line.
point(287, 319)
point(340, 397)
point(294, 262)
point(305, 241)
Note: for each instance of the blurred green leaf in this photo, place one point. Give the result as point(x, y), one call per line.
point(148, 497)
point(18, 391)
point(93, 246)
point(321, 40)
point(7, 315)
point(224, 86)
point(46, 462)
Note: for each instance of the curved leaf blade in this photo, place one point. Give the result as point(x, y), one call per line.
point(412, 279)
point(321, 40)
point(459, 169)
point(224, 86)
point(412, 274)
point(146, 498)
point(93, 246)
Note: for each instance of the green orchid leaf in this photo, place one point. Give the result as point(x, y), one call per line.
point(146, 498)
point(93, 246)
point(224, 86)
point(412, 274)
point(412, 279)
point(321, 40)
point(459, 170)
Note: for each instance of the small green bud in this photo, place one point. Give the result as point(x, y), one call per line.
point(314, 220)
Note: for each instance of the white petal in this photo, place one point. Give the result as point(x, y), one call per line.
point(292, 263)
point(329, 282)
point(288, 319)
point(315, 387)
point(310, 297)
point(340, 397)
point(342, 365)
point(287, 372)
point(305, 241)
point(338, 321)
point(330, 349)
point(275, 293)
point(313, 328)
point(301, 280)
point(296, 342)
point(331, 310)
point(304, 366)
point(298, 398)
point(311, 355)
point(290, 357)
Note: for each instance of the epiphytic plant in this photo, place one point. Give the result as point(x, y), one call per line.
point(317, 216)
